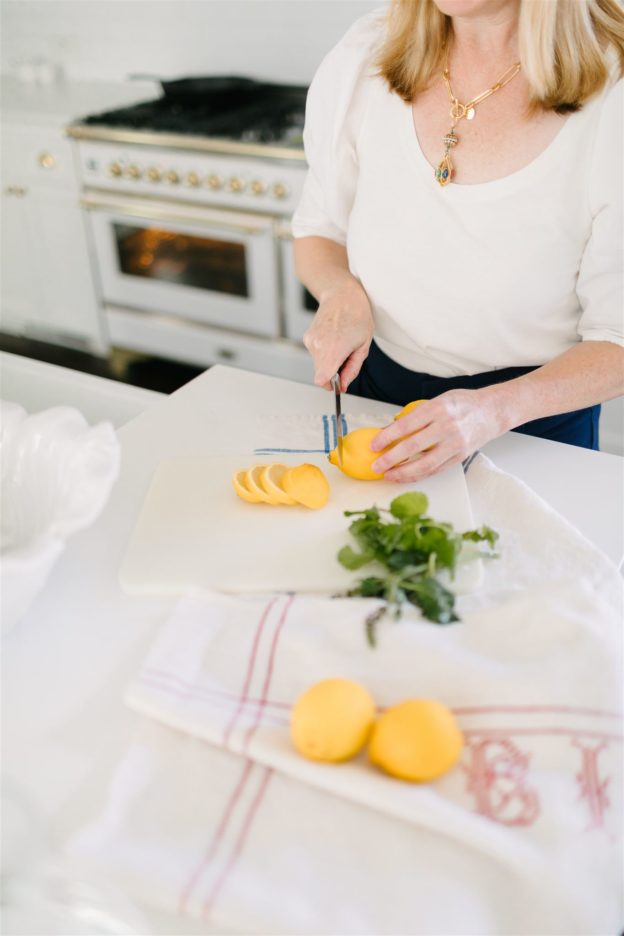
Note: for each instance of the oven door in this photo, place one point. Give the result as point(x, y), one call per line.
point(211, 266)
point(299, 305)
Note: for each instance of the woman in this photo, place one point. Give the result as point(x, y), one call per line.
point(461, 222)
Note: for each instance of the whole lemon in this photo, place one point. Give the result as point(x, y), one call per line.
point(357, 455)
point(417, 740)
point(332, 720)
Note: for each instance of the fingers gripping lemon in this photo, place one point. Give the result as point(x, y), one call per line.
point(332, 720)
point(357, 455)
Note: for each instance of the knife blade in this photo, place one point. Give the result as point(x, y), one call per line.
point(335, 382)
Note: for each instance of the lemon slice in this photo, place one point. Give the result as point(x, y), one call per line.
point(253, 483)
point(238, 482)
point(270, 480)
point(307, 485)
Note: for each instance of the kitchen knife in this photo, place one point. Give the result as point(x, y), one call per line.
point(335, 382)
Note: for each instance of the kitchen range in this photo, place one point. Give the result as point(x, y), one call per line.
point(188, 199)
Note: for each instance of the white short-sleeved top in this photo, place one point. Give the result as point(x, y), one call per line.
point(466, 278)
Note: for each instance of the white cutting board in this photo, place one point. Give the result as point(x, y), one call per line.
point(193, 530)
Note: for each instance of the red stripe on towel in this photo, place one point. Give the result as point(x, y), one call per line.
point(457, 710)
point(535, 710)
point(269, 674)
point(168, 686)
point(534, 732)
point(239, 845)
point(216, 839)
point(250, 668)
point(150, 671)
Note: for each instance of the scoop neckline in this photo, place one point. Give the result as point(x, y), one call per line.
point(538, 166)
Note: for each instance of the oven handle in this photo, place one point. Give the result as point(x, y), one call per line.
point(244, 223)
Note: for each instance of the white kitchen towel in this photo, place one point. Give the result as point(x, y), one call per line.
point(524, 836)
point(309, 432)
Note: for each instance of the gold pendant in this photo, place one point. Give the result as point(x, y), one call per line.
point(444, 172)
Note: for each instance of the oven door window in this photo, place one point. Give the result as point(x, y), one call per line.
point(183, 259)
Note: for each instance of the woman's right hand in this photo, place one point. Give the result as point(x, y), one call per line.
point(341, 332)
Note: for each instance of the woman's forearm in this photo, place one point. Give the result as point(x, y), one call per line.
point(342, 329)
point(589, 373)
point(322, 266)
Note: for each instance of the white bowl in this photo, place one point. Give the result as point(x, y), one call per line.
point(56, 475)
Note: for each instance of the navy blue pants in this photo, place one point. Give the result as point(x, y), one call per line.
point(383, 379)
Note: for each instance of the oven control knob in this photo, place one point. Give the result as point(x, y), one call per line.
point(154, 174)
point(115, 169)
point(172, 177)
point(46, 160)
point(192, 179)
point(133, 172)
point(280, 190)
point(236, 184)
point(258, 187)
point(214, 182)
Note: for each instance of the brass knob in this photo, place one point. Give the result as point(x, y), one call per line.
point(280, 190)
point(47, 160)
point(133, 172)
point(115, 169)
point(172, 177)
point(154, 174)
point(258, 187)
point(192, 179)
point(214, 182)
point(236, 184)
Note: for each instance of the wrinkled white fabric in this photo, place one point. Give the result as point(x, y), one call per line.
point(212, 813)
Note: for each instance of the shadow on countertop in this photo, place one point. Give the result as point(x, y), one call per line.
point(139, 370)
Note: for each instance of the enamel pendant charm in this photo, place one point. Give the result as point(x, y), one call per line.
point(444, 172)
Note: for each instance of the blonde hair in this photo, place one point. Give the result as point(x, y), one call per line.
point(567, 48)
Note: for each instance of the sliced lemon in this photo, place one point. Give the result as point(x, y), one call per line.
point(357, 455)
point(307, 485)
point(271, 480)
point(252, 480)
point(238, 481)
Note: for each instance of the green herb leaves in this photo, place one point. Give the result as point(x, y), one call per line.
point(411, 548)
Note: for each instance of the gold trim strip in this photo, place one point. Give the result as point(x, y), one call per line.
point(182, 141)
point(158, 213)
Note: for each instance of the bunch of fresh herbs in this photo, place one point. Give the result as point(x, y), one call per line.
point(411, 549)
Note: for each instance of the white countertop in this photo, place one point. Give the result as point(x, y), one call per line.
point(60, 102)
point(66, 665)
point(37, 385)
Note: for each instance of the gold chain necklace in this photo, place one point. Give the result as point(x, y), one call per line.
point(444, 172)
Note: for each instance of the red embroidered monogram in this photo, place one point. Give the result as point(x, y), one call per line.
point(497, 776)
point(592, 787)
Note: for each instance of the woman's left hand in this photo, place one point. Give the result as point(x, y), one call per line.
point(436, 434)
